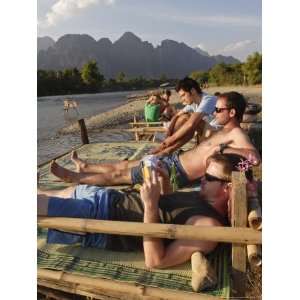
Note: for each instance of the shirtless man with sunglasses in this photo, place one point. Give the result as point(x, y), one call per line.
point(189, 165)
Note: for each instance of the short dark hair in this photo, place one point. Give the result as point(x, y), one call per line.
point(167, 92)
point(217, 94)
point(229, 162)
point(236, 101)
point(187, 84)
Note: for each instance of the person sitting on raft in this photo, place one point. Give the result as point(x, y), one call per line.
point(189, 165)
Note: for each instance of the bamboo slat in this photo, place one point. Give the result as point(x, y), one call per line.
point(145, 123)
point(126, 288)
point(146, 129)
point(170, 231)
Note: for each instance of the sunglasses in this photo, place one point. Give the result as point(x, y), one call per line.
point(220, 109)
point(211, 178)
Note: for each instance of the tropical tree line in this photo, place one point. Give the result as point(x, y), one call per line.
point(247, 73)
point(89, 80)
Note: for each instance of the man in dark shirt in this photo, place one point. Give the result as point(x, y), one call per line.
point(155, 204)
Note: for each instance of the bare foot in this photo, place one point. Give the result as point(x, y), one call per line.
point(79, 163)
point(62, 173)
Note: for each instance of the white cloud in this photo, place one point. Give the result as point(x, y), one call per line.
point(237, 46)
point(212, 20)
point(64, 9)
point(201, 46)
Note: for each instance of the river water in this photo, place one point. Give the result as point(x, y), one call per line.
point(51, 118)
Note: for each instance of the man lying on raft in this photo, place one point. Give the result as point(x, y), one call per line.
point(189, 165)
point(154, 204)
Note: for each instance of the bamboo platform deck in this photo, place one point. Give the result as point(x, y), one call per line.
point(80, 270)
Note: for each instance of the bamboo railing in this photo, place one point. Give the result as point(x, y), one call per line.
point(170, 231)
point(136, 291)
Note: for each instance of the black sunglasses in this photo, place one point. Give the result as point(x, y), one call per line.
point(211, 178)
point(220, 109)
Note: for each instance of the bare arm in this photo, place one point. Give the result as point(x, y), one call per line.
point(190, 126)
point(173, 121)
point(156, 254)
point(245, 147)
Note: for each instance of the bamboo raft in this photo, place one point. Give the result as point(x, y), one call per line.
point(65, 280)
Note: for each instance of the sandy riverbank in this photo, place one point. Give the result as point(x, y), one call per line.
point(124, 113)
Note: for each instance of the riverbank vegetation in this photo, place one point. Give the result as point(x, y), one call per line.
point(90, 80)
point(247, 73)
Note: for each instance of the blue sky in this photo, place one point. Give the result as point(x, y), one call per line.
point(228, 27)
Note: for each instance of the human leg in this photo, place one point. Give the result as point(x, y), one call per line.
point(103, 179)
point(44, 195)
point(83, 166)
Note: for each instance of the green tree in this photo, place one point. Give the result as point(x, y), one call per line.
point(252, 68)
point(200, 76)
point(163, 78)
point(217, 74)
point(91, 76)
point(120, 77)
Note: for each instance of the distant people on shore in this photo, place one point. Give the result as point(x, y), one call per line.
point(168, 110)
point(161, 100)
point(153, 107)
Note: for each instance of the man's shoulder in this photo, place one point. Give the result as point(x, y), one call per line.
point(209, 97)
point(237, 131)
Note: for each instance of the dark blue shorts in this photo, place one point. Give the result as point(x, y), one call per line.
point(168, 161)
point(89, 202)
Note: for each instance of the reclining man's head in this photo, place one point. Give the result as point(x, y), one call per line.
point(216, 183)
point(230, 107)
point(188, 90)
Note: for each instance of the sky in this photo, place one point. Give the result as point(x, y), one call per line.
point(227, 27)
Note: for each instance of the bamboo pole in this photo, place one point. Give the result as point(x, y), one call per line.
point(126, 288)
point(254, 255)
point(170, 231)
point(83, 132)
point(146, 123)
point(137, 138)
point(239, 220)
point(255, 215)
point(145, 129)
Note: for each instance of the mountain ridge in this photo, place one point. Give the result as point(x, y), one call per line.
point(129, 54)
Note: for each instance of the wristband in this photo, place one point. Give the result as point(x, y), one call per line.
point(223, 147)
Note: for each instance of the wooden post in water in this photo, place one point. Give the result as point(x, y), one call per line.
point(83, 132)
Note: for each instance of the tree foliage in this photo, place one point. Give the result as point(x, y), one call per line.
point(249, 72)
point(91, 76)
point(90, 80)
point(73, 81)
point(200, 76)
point(253, 68)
